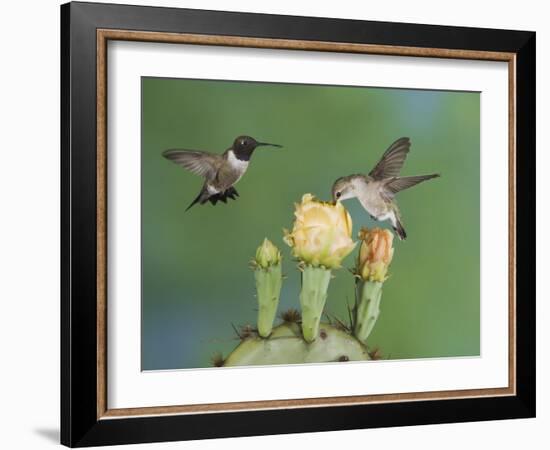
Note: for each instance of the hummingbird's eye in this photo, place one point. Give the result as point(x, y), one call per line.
point(338, 194)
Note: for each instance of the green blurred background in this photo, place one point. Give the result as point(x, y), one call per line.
point(196, 280)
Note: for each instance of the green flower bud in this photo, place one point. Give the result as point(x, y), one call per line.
point(267, 255)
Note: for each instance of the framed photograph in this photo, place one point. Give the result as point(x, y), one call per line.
point(276, 224)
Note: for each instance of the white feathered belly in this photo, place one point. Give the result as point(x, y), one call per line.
point(373, 203)
point(212, 190)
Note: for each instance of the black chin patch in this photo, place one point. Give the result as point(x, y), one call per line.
point(243, 154)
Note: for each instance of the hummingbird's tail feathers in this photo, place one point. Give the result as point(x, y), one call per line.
point(223, 196)
point(204, 197)
point(398, 228)
point(194, 202)
point(231, 193)
point(398, 184)
point(397, 225)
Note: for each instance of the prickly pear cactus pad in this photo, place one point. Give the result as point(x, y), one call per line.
point(320, 240)
point(286, 345)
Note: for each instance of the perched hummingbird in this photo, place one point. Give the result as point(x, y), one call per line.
point(220, 172)
point(376, 191)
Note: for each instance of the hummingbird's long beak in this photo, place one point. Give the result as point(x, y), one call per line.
point(267, 144)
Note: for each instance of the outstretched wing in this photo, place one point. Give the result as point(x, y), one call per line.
point(392, 160)
point(203, 164)
point(397, 184)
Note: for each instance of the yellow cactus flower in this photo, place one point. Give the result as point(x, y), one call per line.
point(321, 235)
point(267, 254)
point(375, 254)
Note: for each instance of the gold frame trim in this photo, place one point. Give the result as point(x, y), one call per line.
point(103, 36)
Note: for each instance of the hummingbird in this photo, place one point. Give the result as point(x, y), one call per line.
point(376, 191)
point(220, 171)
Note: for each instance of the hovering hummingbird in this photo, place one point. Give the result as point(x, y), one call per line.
point(220, 172)
point(376, 191)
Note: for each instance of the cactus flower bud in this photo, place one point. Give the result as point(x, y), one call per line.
point(267, 254)
point(321, 235)
point(375, 254)
point(269, 280)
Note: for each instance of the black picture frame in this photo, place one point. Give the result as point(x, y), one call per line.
point(80, 425)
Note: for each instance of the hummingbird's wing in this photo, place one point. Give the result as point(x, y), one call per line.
point(397, 184)
point(392, 160)
point(203, 164)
